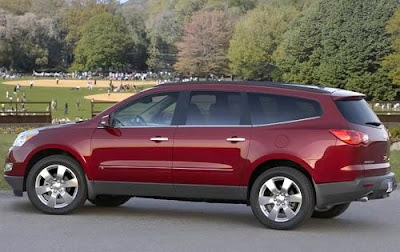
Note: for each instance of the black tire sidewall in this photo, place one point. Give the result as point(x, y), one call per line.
point(67, 162)
point(331, 213)
point(306, 189)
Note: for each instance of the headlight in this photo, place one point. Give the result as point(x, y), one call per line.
point(24, 137)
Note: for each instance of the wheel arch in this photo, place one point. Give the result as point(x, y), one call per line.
point(51, 151)
point(276, 162)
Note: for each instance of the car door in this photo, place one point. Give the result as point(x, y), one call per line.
point(137, 149)
point(211, 147)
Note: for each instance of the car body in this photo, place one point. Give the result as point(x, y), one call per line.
point(215, 142)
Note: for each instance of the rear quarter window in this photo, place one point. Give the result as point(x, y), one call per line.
point(357, 111)
point(269, 109)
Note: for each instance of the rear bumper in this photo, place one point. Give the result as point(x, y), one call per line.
point(16, 183)
point(377, 187)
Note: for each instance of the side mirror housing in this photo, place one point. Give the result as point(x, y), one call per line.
point(106, 121)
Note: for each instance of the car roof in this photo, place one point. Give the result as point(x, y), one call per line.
point(291, 86)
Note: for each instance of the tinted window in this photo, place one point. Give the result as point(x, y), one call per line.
point(267, 109)
point(357, 111)
point(154, 110)
point(214, 108)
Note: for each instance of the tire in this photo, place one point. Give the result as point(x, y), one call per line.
point(57, 185)
point(331, 212)
point(284, 208)
point(109, 201)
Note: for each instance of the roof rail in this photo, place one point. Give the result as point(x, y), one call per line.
point(318, 88)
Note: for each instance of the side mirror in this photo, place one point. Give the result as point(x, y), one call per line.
point(106, 121)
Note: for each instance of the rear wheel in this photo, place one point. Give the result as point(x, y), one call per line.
point(56, 185)
point(330, 212)
point(282, 198)
point(109, 201)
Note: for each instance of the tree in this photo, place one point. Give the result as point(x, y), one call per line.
point(165, 23)
point(341, 44)
point(256, 38)
point(204, 46)
point(27, 41)
point(18, 7)
point(392, 62)
point(105, 44)
point(134, 19)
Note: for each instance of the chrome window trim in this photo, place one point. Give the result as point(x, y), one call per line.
point(140, 127)
point(285, 122)
point(214, 126)
point(218, 126)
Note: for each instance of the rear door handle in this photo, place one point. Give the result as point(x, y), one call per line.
point(235, 139)
point(159, 139)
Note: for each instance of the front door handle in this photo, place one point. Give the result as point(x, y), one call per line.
point(235, 139)
point(159, 139)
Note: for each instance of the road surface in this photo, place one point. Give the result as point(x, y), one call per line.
point(160, 225)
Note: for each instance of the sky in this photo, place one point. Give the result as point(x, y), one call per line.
point(123, 1)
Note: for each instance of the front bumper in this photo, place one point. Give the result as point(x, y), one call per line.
point(16, 183)
point(378, 187)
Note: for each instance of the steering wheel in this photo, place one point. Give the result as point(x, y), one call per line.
point(138, 120)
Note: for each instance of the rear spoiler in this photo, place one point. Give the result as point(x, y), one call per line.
point(343, 95)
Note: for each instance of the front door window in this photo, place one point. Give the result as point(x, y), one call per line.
point(149, 111)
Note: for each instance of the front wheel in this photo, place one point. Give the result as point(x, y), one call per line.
point(330, 212)
point(56, 185)
point(282, 198)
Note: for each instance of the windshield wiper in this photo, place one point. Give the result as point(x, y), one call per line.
point(374, 123)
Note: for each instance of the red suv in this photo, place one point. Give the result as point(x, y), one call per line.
point(289, 151)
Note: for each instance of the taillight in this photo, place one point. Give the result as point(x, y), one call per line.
point(351, 137)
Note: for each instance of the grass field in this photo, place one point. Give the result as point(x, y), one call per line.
point(62, 95)
point(5, 142)
point(7, 139)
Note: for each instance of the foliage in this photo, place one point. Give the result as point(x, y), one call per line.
point(256, 38)
point(352, 44)
point(392, 61)
point(204, 45)
point(341, 44)
point(394, 133)
point(105, 44)
point(27, 41)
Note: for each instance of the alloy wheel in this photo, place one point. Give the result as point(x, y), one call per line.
point(280, 199)
point(56, 186)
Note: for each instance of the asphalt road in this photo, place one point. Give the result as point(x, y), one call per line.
point(160, 225)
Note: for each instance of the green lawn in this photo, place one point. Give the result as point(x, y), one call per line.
point(7, 139)
point(395, 161)
point(5, 142)
point(61, 95)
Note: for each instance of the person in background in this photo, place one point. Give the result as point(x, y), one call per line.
point(78, 104)
point(53, 105)
point(66, 108)
point(31, 84)
point(57, 81)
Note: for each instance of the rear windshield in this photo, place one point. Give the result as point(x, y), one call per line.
point(358, 112)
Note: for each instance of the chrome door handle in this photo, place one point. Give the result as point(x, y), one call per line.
point(159, 139)
point(236, 139)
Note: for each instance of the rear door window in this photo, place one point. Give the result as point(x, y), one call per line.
point(269, 109)
point(358, 112)
point(214, 108)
